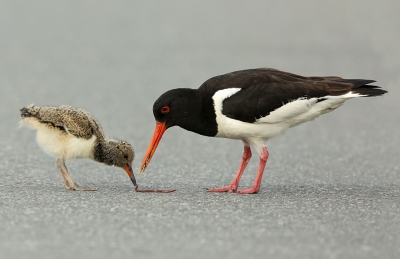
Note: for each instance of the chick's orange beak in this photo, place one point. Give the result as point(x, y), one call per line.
point(158, 133)
point(129, 171)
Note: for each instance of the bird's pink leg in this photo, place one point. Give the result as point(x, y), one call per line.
point(69, 184)
point(235, 183)
point(257, 183)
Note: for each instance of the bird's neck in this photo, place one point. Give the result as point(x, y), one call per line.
point(102, 151)
point(199, 117)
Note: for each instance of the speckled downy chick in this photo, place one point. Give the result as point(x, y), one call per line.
point(66, 133)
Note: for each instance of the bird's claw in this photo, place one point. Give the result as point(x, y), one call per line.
point(251, 190)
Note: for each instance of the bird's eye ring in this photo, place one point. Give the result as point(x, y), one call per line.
point(165, 109)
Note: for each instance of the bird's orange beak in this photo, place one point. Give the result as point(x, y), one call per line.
point(158, 133)
point(129, 171)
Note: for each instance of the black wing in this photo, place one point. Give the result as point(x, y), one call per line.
point(264, 90)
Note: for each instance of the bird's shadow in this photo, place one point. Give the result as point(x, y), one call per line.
point(332, 191)
point(267, 191)
point(327, 191)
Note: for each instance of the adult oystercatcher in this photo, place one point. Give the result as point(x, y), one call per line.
point(66, 133)
point(252, 105)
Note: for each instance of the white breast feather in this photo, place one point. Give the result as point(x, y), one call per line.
point(235, 129)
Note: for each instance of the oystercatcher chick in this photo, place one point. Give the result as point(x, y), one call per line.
point(253, 106)
point(66, 133)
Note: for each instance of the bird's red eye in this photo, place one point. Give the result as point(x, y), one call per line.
point(165, 109)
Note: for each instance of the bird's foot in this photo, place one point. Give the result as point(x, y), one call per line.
point(251, 190)
point(230, 188)
point(76, 187)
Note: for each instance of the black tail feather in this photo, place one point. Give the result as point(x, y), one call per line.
point(29, 111)
point(362, 87)
point(369, 91)
point(25, 112)
point(358, 82)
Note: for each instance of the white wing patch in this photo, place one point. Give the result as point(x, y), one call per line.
point(289, 110)
point(278, 121)
point(345, 96)
point(302, 110)
point(221, 95)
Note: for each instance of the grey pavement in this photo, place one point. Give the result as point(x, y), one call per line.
point(331, 187)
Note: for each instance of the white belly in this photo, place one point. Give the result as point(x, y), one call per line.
point(60, 144)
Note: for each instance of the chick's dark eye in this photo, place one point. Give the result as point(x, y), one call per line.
point(165, 109)
point(126, 156)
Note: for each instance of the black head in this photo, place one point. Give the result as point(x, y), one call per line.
point(175, 107)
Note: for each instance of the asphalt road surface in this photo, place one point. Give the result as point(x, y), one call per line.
point(331, 187)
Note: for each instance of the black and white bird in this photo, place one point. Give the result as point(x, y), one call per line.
point(253, 106)
point(66, 133)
